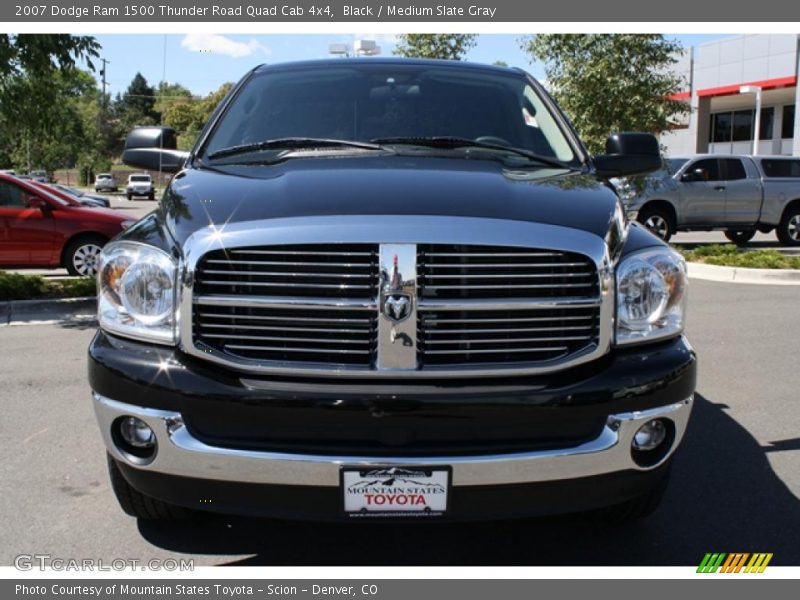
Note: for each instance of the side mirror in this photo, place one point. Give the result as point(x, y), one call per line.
point(154, 149)
point(38, 203)
point(695, 175)
point(628, 154)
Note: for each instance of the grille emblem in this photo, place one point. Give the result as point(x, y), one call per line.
point(397, 307)
point(397, 323)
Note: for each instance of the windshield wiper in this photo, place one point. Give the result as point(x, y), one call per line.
point(453, 142)
point(291, 143)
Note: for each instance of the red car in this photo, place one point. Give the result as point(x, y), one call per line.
point(41, 227)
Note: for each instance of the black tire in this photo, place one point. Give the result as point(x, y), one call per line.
point(658, 221)
point(136, 504)
point(740, 238)
point(152, 196)
point(80, 255)
point(788, 230)
point(636, 508)
point(130, 196)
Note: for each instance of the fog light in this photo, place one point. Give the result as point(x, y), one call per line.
point(137, 433)
point(650, 435)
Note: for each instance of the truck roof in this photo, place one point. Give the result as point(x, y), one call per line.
point(327, 62)
point(722, 155)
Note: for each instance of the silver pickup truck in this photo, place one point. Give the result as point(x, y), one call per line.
point(737, 194)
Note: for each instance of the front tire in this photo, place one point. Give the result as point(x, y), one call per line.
point(81, 255)
point(639, 507)
point(789, 228)
point(136, 504)
point(740, 238)
point(658, 221)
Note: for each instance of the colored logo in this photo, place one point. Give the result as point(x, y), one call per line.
point(737, 562)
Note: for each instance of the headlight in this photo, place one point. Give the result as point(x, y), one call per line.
point(651, 296)
point(137, 292)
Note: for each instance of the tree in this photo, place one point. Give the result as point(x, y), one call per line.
point(451, 46)
point(189, 115)
point(500, 63)
point(38, 73)
point(606, 83)
point(39, 55)
point(137, 105)
point(52, 125)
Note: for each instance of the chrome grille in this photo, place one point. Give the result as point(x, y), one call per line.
point(313, 309)
point(480, 334)
point(505, 336)
point(295, 335)
point(456, 271)
point(251, 303)
point(308, 270)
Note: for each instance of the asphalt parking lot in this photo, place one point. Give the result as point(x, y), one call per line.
point(735, 486)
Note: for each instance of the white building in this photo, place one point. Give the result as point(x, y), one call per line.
point(723, 118)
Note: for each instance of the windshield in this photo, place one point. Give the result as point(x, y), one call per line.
point(140, 178)
point(363, 102)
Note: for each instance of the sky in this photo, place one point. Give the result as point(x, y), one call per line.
point(203, 62)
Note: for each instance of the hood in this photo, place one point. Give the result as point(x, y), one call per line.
point(386, 185)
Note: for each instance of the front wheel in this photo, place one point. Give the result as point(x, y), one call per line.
point(639, 507)
point(136, 504)
point(789, 228)
point(740, 238)
point(658, 221)
point(81, 256)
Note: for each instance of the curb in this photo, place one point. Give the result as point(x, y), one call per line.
point(13, 312)
point(744, 275)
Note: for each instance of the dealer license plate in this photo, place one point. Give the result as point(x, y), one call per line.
point(395, 491)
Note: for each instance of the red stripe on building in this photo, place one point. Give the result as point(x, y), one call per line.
point(767, 84)
point(680, 96)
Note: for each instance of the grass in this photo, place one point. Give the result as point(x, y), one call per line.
point(728, 255)
point(15, 286)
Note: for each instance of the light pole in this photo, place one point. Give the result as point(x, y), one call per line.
point(103, 75)
point(360, 48)
point(754, 89)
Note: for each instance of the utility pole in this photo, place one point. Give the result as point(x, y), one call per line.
point(103, 75)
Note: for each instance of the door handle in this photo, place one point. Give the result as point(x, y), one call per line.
point(719, 188)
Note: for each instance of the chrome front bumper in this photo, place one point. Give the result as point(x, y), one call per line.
point(181, 454)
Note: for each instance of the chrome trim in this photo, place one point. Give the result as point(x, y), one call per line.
point(526, 304)
point(397, 317)
point(181, 454)
point(284, 302)
point(396, 229)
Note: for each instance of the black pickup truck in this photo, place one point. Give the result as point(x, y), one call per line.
point(390, 289)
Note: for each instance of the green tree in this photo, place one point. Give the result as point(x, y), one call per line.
point(451, 46)
point(47, 125)
point(38, 75)
point(168, 95)
point(188, 115)
point(608, 83)
point(500, 63)
point(39, 55)
point(137, 105)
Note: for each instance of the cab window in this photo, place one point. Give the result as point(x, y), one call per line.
point(710, 168)
point(13, 196)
